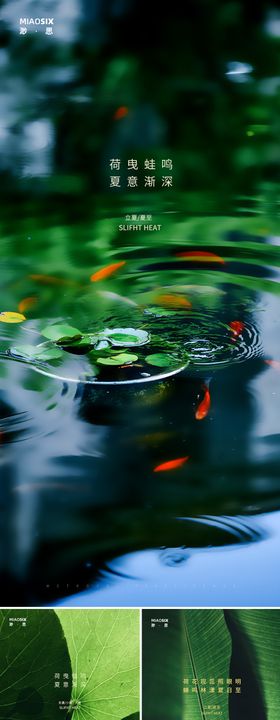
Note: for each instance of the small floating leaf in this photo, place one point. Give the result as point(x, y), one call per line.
point(121, 359)
point(126, 336)
point(159, 312)
point(60, 332)
point(161, 360)
point(49, 354)
point(80, 341)
point(123, 338)
point(37, 353)
point(11, 317)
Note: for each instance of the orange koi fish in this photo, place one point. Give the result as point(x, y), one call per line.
point(106, 271)
point(275, 364)
point(236, 326)
point(201, 255)
point(204, 406)
point(171, 464)
point(51, 280)
point(175, 301)
point(26, 304)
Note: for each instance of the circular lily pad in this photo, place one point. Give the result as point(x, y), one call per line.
point(120, 359)
point(126, 337)
point(161, 360)
point(39, 352)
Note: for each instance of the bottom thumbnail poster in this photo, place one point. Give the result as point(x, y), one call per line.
point(71, 664)
point(211, 664)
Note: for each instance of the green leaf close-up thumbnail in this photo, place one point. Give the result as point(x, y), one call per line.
point(259, 633)
point(195, 645)
point(104, 651)
point(208, 661)
point(207, 651)
point(33, 651)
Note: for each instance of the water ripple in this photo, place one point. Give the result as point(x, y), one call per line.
point(237, 529)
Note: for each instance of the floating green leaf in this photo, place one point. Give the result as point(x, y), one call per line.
point(60, 332)
point(126, 336)
point(122, 338)
point(27, 674)
point(121, 359)
point(161, 360)
point(74, 341)
point(159, 312)
point(104, 646)
point(33, 352)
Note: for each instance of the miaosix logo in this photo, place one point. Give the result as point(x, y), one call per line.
point(36, 21)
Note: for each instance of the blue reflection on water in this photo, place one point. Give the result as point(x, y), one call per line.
point(222, 577)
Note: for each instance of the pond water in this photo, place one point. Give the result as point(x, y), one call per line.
point(141, 481)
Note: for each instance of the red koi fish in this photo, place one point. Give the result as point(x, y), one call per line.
point(171, 464)
point(121, 112)
point(204, 406)
point(275, 364)
point(236, 327)
point(106, 271)
point(201, 256)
